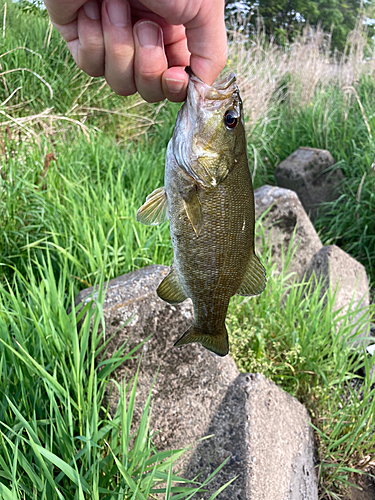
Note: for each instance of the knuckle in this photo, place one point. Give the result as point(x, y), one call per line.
point(151, 77)
point(92, 46)
point(120, 53)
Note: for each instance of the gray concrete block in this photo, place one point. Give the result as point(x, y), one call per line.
point(307, 172)
point(341, 272)
point(286, 215)
point(266, 434)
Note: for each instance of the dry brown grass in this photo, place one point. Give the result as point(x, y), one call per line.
point(88, 111)
point(136, 116)
point(263, 68)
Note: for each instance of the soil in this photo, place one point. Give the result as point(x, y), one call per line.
point(366, 486)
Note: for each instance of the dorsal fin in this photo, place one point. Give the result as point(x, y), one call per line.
point(254, 281)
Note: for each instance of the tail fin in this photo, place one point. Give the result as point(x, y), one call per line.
point(217, 343)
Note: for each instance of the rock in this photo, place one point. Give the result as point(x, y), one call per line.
point(285, 215)
point(191, 380)
point(338, 269)
point(266, 434)
point(307, 172)
point(264, 431)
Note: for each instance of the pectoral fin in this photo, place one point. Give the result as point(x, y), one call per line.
point(154, 210)
point(193, 209)
point(170, 289)
point(254, 281)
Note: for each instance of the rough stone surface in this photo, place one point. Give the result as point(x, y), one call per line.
point(307, 172)
point(266, 434)
point(285, 215)
point(338, 269)
point(263, 430)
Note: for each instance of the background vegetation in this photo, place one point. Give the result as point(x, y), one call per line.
point(76, 163)
point(283, 19)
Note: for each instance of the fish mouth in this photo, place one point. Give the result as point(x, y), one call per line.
point(205, 100)
point(220, 90)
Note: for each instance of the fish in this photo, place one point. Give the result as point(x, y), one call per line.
point(208, 198)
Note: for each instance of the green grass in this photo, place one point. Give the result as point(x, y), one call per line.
point(69, 223)
point(57, 437)
point(85, 199)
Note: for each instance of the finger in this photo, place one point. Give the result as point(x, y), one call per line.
point(85, 41)
point(150, 61)
point(119, 46)
point(174, 39)
point(176, 46)
point(62, 13)
point(175, 79)
point(174, 82)
point(68, 31)
point(207, 41)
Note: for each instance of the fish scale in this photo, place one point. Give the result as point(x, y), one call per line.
point(209, 200)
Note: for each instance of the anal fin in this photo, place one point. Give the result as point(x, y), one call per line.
point(254, 281)
point(170, 289)
point(154, 210)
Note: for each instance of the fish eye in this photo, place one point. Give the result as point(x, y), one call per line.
point(230, 119)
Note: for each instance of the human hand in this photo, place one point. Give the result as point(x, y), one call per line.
point(144, 45)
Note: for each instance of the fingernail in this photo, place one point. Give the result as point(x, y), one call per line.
point(174, 86)
point(91, 9)
point(118, 12)
point(149, 35)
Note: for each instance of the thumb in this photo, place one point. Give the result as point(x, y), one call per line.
point(207, 41)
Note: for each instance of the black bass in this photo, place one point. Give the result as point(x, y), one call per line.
point(209, 200)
